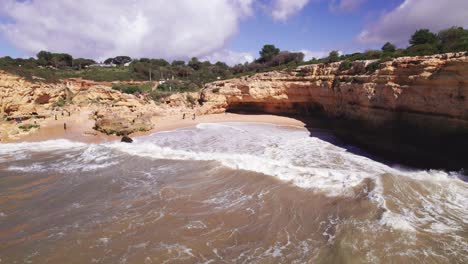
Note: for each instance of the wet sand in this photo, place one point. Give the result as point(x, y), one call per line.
point(175, 122)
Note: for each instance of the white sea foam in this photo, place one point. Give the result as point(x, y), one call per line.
point(432, 201)
point(43, 146)
point(69, 156)
point(308, 162)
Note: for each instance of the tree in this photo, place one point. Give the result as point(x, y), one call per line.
point(195, 64)
point(80, 63)
point(286, 57)
point(423, 36)
point(178, 63)
point(120, 60)
point(238, 68)
point(268, 52)
point(388, 47)
point(333, 56)
point(60, 60)
point(109, 61)
point(159, 62)
point(453, 39)
point(44, 57)
point(6, 61)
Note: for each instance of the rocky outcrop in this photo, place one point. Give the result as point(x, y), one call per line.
point(426, 91)
point(124, 120)
point(126, 139)
point(114, 112)
point(19, 97)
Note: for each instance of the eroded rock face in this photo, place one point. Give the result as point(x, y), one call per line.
point(20, 97)
point(115, 112)
point(426, 91)
point(123, 120)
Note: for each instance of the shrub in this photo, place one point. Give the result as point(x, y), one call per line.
point(191, 99)
point(336, 83)
point(60, 102)
point(334, 56)
point(345, 65)
point(216, 90)
point(28, 127)
point(372, 67)
point(388, 47)
point(372, 54)
point(132, 88)
point(422, 49)
point(158, 95)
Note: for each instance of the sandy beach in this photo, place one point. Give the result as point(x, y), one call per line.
point(80, 126)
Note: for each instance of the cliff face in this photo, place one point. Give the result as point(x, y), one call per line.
point(18, 96)
point(114, 111)
point(429, 91)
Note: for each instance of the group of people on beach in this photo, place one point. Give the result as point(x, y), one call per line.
point(63, 114)
point(193, 118)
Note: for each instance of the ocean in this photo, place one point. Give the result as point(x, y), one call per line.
point(225, 193)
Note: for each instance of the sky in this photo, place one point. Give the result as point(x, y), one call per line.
point(217, 30)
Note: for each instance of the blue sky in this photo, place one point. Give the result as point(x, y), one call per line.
point(315, 28)
point(228, 30)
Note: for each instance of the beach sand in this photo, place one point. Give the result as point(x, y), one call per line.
point(80, 126)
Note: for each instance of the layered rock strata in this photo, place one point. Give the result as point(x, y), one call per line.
point(413, 110)
point(422, 91)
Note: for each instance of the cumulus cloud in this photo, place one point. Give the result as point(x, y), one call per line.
point(399, 24)
point(283, 9)
point(137, 28)
point(229, 57)
point(345, 5)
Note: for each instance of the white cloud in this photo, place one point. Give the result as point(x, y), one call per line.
point(283, 9)
point(308, 54)
point(137, 28)
point(230, 57)
point(345, 5)
point(399, 24)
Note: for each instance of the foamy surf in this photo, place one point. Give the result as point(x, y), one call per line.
point(294, 157)
point(412, 203)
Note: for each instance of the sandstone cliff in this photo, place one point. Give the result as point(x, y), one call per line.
point(426, 91)
point(114, 112)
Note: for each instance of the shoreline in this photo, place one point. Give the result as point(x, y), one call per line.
point(79, 126)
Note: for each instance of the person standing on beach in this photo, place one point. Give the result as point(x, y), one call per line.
point(55, 116)
point(193, 116)
point(64, 126)
point(183, 116)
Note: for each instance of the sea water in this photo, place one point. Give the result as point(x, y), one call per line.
point(225, 193)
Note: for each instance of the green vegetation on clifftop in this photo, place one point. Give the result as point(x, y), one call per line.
point(51, 67)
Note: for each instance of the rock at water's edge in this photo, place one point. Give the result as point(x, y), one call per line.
point(126, 139)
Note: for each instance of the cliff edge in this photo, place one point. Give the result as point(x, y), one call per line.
point(421, 100)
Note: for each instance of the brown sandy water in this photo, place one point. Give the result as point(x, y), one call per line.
point(224, 193)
